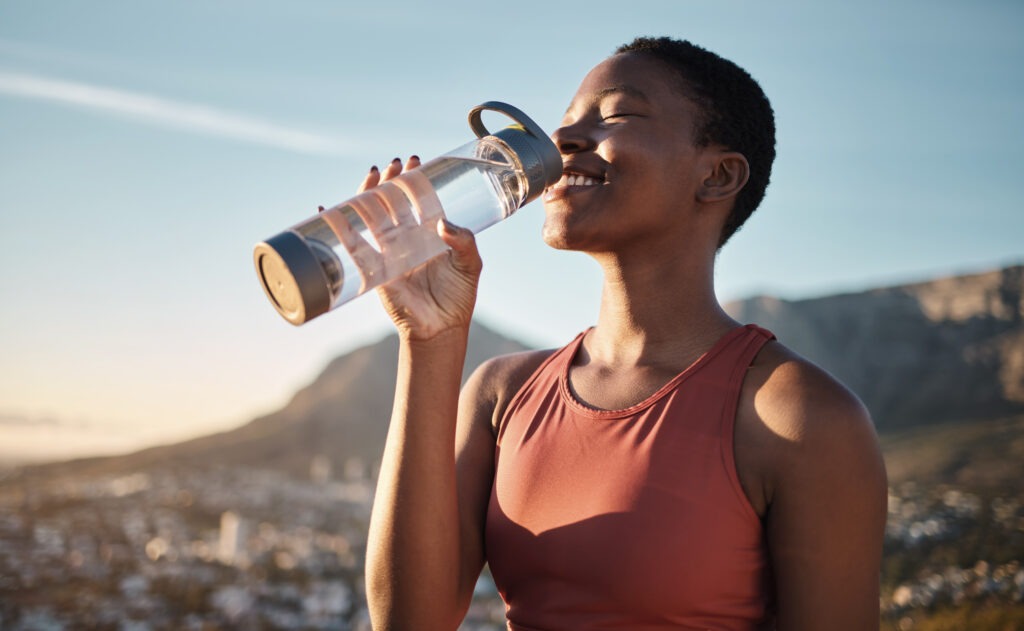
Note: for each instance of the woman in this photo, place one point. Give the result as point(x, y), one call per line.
point(669, 468)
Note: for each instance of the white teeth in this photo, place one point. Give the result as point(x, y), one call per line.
point(573, 179)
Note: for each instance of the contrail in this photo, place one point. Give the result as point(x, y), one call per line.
point(161, 111)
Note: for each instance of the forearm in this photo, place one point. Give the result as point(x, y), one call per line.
point(413, 552)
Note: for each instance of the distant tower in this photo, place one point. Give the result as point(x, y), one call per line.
point(234, 532)
point(355, 470)
point(320, 469)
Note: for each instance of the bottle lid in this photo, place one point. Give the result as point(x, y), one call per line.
point(292, 277)
point(537, 154)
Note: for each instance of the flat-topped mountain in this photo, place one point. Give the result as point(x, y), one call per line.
point(950, 349)
point(947, 350)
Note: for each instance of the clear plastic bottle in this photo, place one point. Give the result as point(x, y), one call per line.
point(386, 232)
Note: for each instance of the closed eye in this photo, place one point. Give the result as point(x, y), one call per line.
point(618, 116)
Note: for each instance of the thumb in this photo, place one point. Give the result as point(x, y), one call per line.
point(462, 242)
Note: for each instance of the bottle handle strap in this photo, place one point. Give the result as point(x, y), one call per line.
point(525, 122)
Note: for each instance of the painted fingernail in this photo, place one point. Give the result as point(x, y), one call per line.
point(374, 169)
point(414, 157)
point(396, 161)
point(320, 208)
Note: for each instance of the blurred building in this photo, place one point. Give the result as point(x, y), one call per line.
point(234, 533)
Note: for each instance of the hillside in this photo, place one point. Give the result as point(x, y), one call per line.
point(927, 354)
point(343, 414)
point(940, 364)
point(946, 350)
point(984, 456)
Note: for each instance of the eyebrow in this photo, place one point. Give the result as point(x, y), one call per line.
point(615, 89)
point(621, 89)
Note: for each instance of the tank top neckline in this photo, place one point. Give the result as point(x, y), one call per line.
point(583, 409)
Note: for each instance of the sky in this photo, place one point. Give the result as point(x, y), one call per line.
point(146, 146)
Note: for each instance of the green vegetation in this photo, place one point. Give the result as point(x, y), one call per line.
point(955, 538)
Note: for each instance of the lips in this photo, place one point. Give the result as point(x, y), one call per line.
point(574, 179)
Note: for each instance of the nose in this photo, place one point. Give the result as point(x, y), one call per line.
point(572, 139)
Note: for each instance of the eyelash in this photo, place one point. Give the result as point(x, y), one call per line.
point(617, 115)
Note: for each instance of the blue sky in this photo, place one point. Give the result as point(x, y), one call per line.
point(145, 147)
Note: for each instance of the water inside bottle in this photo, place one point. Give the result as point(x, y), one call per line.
point(479, 183)
point(391, 229)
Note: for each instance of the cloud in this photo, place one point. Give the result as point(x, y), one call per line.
point(161, 111)
point(16, 419)
point(10, 418)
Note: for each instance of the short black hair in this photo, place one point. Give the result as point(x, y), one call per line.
point(734, 112)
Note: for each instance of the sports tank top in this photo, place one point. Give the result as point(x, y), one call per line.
point(628, 519)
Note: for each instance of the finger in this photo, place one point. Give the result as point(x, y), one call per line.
point(462, 242)
point(391, 170)
point(412, 162)
point(372, 179)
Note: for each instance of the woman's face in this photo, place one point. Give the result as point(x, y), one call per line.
point(631, 166)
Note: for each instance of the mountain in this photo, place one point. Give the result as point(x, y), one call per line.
point(343, 414)
point(932, 353)
point(951, 349)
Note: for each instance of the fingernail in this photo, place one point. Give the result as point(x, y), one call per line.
point(414, 157)
point(396, 161)
point(320, 208)
point(374, 169)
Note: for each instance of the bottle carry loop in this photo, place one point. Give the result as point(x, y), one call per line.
point(538, 155)
point(476, 122)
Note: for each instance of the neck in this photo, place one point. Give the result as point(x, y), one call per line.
point(660, 311)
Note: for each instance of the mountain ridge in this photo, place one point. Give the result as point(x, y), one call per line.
point(949, 350)
point(925, 352)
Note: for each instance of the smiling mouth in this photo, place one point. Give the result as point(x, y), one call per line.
point(578, 179)
point(571, 183)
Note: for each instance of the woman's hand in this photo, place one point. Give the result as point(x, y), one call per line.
point(440, 295)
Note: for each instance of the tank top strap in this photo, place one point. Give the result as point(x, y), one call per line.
point(549, 369)
point(753, 341)
point(744, 351)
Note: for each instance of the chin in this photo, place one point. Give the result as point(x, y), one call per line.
point(561, 237)
point(555, 241)
point(556, 233)
point(574, 227)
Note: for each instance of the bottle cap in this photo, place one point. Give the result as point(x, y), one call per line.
point(292, 277)
point(538, 155)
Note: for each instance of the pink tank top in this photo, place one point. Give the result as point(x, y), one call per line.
point(628, 519)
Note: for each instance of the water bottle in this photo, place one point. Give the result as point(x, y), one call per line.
point(387, 231)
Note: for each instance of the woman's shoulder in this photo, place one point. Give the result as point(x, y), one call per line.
point(797, 420)
point(790, 391)
point(796, 425)
point(515, 366)
point(496, 381)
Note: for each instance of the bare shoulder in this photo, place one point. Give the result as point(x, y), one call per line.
point(799, 400)
point(495, 382)
point(806, 447)
point(797, 420)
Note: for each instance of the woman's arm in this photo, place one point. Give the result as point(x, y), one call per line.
point(422, 560)
point(827, 501)
point(425, 550)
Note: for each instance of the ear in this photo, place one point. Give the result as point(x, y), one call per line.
point(728, 173)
